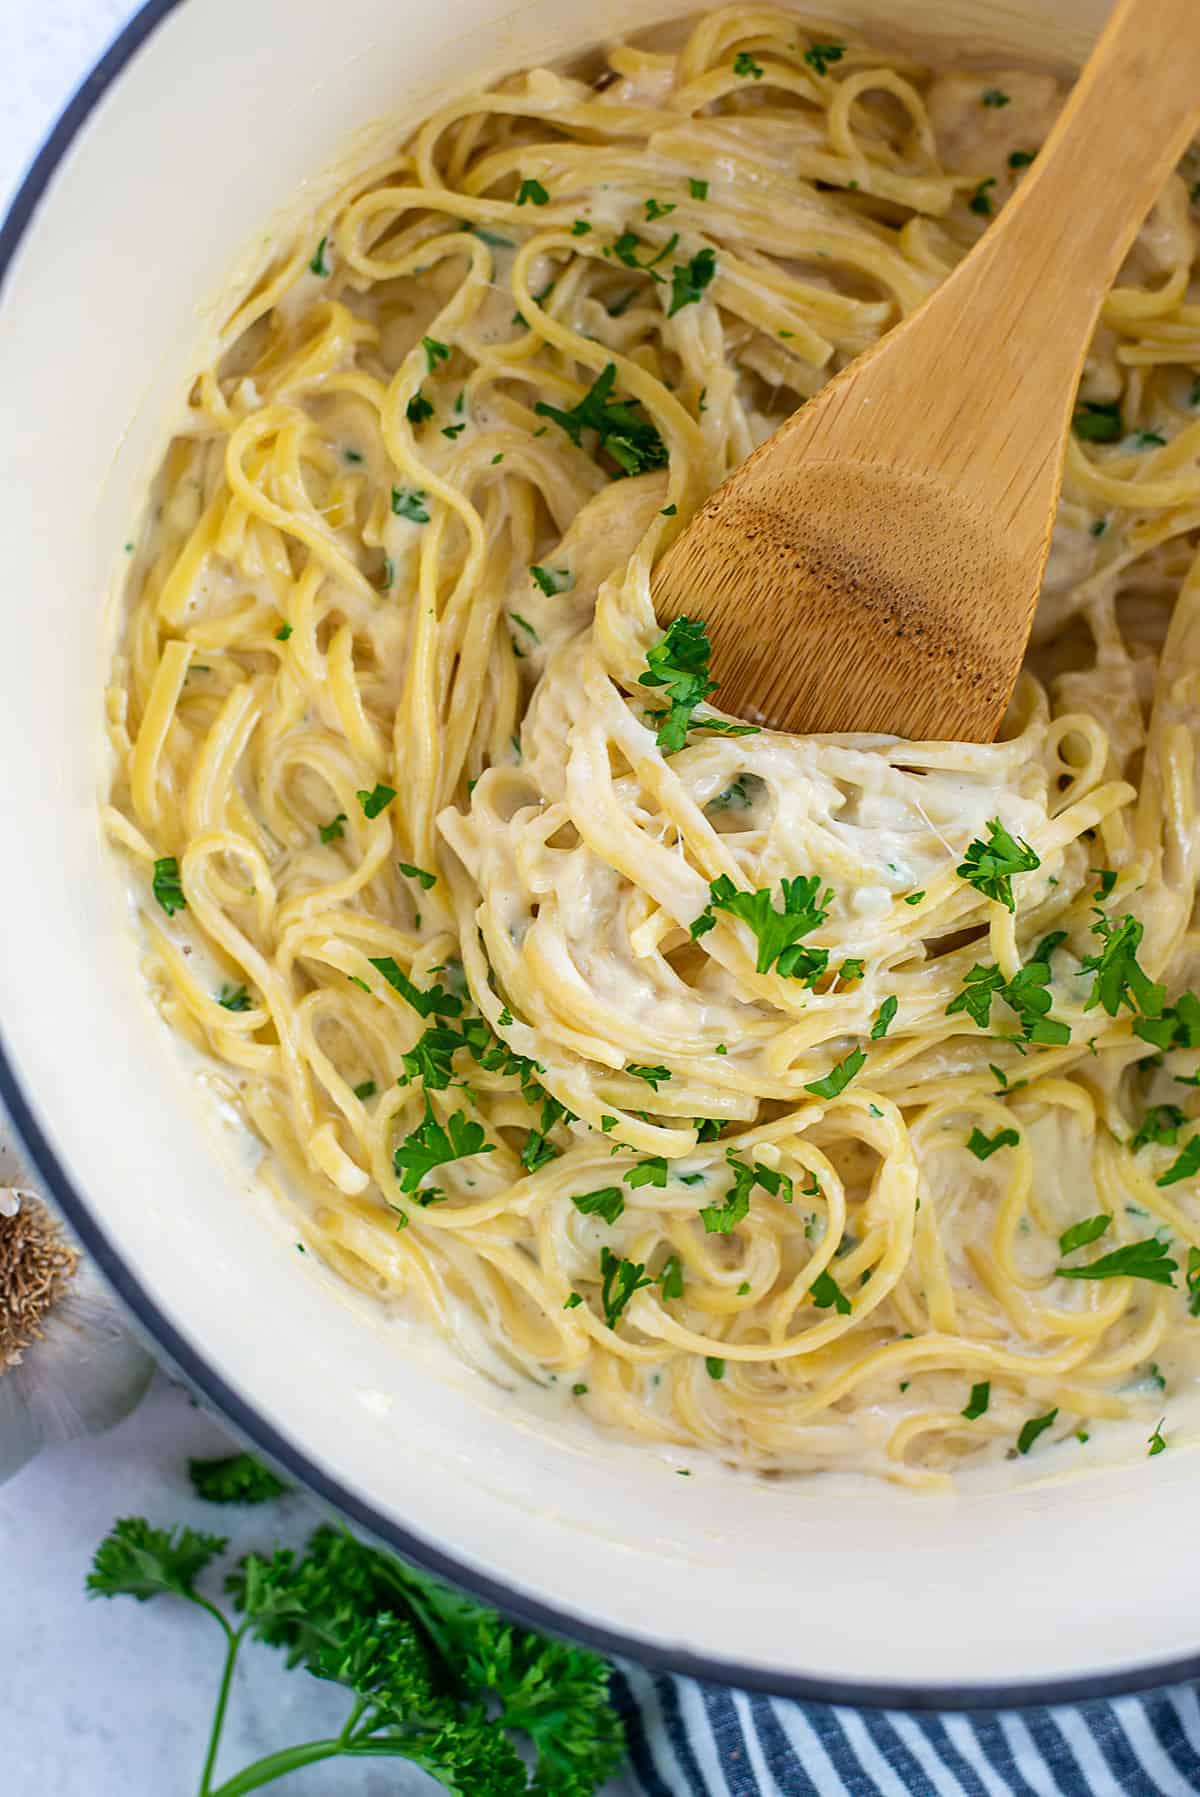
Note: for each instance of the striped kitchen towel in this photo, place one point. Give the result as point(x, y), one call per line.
point(693, 1740)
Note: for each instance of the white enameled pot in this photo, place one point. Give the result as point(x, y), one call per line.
point(167, 174)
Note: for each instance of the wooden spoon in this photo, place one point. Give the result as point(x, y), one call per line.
point(875, 565)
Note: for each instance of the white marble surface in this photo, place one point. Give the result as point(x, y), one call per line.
point(99, 1698)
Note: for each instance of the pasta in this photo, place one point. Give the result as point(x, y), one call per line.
point(751, 1089)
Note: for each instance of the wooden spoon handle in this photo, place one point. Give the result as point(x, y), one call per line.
point(1036, 281)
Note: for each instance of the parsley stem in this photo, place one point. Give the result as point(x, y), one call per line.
point(233, 1640)
point(277, 1765)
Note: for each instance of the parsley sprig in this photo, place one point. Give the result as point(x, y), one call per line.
point(433, 1145)
point(432, 1677)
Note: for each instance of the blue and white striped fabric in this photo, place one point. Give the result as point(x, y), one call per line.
point(692, 1740)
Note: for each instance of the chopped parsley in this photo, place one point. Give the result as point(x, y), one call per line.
point(1080, 1234)
point(652, 1172)
point(1020, 158)
point(689, 280)
point(608, 1202)
point(723, 1218)
point(580, 228)
point(334, 830)
point(653, 1076)
point(989, 867)
point(1026, 994)
point(283, 633)
point(983, 1147)
point(1147, 1259)
point(430, 1145)
point(1178, 1026)
point(670, 1278)
point(234, 998)
point(552, 580)
point(1119, 979)
point(377, 800)
point(714, 1366)
point(659, 208)
point(1096, 422)
point(1162, 1123)
point(409, 502)
point(825, 1293)
point(435, 352)
point(367, 1089)
point(1157, 1441)
point(619, 1280)
point(980, 201)
point(697, 189)
point(166, 885)
point(839, 1077)
point(886, 1017)
point(1037, 1425)
point(431, 1058)
point(318, 265)
point(777, 933)
point(1193, 1281)
point(977, 1403)
point(419, 408)
point(914, 898)
point(744, 64)
point(532, 192)
point(819, 56)
point(994, 96)
point(422, 875)
point(679, 662)
point(432, 1001)
point(1185, 1166)
point(851, 970)
point(632, 442)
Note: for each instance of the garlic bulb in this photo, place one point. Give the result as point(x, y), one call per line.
point(68, 1365)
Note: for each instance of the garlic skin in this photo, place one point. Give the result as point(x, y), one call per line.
point(84, 1372)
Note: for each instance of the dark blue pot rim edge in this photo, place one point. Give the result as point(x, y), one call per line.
point(250, 1423)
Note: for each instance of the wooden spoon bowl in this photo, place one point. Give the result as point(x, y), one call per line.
point(875, 565)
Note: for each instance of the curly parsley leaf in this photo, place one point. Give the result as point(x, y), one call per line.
point(235, 1479)
point(137, 1561)
point(723, 1218)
